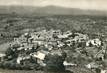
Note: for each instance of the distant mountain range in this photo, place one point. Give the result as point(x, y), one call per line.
point(47, 10)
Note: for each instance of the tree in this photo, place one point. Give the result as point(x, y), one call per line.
point(54, 63)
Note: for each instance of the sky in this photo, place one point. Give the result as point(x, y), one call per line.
point(82, 4)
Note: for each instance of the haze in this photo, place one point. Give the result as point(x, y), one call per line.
point(82, 4)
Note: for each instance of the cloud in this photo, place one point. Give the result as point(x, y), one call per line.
point(83, 4)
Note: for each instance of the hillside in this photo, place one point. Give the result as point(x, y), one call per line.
point(47, 10)
point(12, 26)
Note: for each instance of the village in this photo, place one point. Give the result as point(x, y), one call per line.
point(33, 50)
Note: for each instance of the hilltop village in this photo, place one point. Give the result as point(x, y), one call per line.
point(44, 49)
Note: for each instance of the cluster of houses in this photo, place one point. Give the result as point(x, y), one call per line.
point(57, 38)
point(41, 43)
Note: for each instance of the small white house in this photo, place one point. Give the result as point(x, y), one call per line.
point(2, 56)
point(103, 71)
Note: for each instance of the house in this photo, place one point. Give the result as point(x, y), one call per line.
point(92, 65)
point(103, 71)
point(21, 58)
point(94, 42)
point(2, 57)
point(68, 64)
